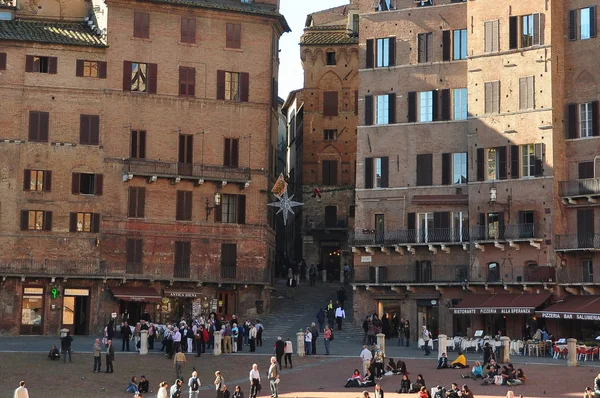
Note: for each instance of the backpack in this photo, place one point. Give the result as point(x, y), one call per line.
point(195, 385)
point(331, 337)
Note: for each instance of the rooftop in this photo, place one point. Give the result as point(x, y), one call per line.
point(333, 34)
point(69, 33)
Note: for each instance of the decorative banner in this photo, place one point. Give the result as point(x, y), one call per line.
point(280, 186)
point(285, 205)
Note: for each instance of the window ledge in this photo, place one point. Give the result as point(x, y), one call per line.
point(238, 50)
point(141, 39)
point(188, 44)
point(508, 52)
point(414, 123)
point(432, 63)
point(582, 138)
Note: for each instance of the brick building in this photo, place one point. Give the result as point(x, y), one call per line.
point(110, 200)
point(322, 120)
point(466, 219)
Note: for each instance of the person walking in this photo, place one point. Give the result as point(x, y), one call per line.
point(330, 314)
point(179, 363)
point(252, 338)
point(125, 336)
point(291, 285)
point(341, 295)
point(162, 390)
point(175, 391)
point(21, 391)
point(365, 327)
point(273, 378)
point(176, 342)
point(321, 319)
point(327, 336)
point(366, 356)
point(315, 334)
point(279, 350)
point(254, 381)
point(97, 356)
point(289, 350)
point(194, 385)
point(110, 356)
point(308, 342)
point(259, 333)
point(340, 314)
point(426, 335)
point(65, 346)
point(312, 273)
point(219, 384)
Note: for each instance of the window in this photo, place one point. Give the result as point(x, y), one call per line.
point(424, 3)
point(426, 106)
point(140, 77)
point(330, 103)
point(181, 266)
point(89, 129)
point(141, 25)
point(460, 102)
point(425, 47)
point(38, 126)
point(84, 222)
point(2, 61)
point(588, 270)
point(383, 52)
point(526, 93)
point(329, 172)
point(493, 272)
point(585, 170)
point(37, 180)
point(385, 5)
point(459, 168)
point(492, 97)
point(491, 36)
point(134, 255)
point(460, 44)
point(233, 35)
point(90, 69)
point(36, 220)
point(86, 184)
point(228, 260)
point(231, 153)
point(329, 135)
point(95, 69)
point(330, 57)
point(496, 163)
point(585, 120)
point(527, 160)
point(425, 169)
point(138, 144)
point(188, 30)
point(232, 86)
point(460, 226)
point(425, 227)
point(232, 210)
point(228, 209)
point(377, 172)
point(383, 109)
point(187, 81)
point(582, 120)
point(37, 64)
point(137, 202)
point(582, 23)
point(183, 211)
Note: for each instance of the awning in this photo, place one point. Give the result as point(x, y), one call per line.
point(525, 303)
point(182, 293)
point(585, 308)
point(146, 294)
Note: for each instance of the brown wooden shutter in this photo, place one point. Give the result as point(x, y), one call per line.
point(47, 221)
point(446, 45)
point(235, 152)
point(27, 180)
point(101, 70)
point(29, 63)
point(220, 84)
point(513, 32)
point(424, 169)
point(182, 80)
point(133, 201)
point(179, 212)
point(445, 104)
point(385, 171)
point(141, 144)
point(333, 172)
point(446, 168)
point(99, 184)
point(145, 28)
point(429, 43)
point(34, 126)
point(325, 172)
point(95, 227)
point(593, 21)
point(480, 164)
point(435, 105)
point(539, 160)
point(84, 129)
point(79, 68)
point(370, 54)
point(501, 151)
point(595, 118)
point(514, 161)
point(392, 51)
point(139, 244)
point(24, 220)
point(244, 86)
point(227, 152)
point(368, 173)
point(72, 222)
point(241, 209)
point(94, 129)
point(47, 180)
point(126, 75)
point(141, 202)
point(391, 108)
point(572, 24)
point(229, 35)
point(412, 107)
point(368, 110)
point(330, 103)
point(188, 205)
point(137, 25)
point(44, 126)
point(571, 121)
point(218, 210)
point(152, 78)
point(536, 29)
point(130, 251)
point(2, 61)
point(52, 65)
point(421, 48)
point(411, 223)
point(134, 144)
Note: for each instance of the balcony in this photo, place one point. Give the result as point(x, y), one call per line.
point(577, 242)
point(582, 191)
point(339, 223)
point(198, 172)
point(402, 240)
point(512, 234)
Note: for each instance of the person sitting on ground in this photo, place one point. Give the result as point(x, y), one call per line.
point(404, 385)
point(391, 366)
point(466, 392)
point(488, 366)
point(420, 382)
point(460, 362)
point(519, 378)
point(597, 385)
point(440, 392)
point(589, 393)
point(368, 380)
point(476, 371)
point(510, 394)
point(401, 366)
point(132, 387)
point(506, 375)
point(489, 377)
point(366, 394)
point(144, 385)
point(354, 380)
point(453, 391)
point(423, 392)
point(54, 353)
point(443, 361)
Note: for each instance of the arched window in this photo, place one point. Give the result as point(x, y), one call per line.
point(493, 272)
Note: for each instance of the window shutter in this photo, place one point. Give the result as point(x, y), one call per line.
point(495, 34)
point(368, 173)
point(130, 251)
point(241, 209)
point(595, 118)
point(325, 172)
point(586, 170)
point(145, 28)
point(79, 68)
point(536, 29)
point(496, 97)
point(424, 169)
point(446, 45)
point(2, 61)
point(188, 205)
point(138, 251)
point(52, 65)
point(137, 25)
point(152, 78)
point(235, 152)
point(75, 183)
point(392, 51)
point(421, 50)
point(99, 184)
point(411, 221)
point(523, 93)
point(219, 212)
point(571, 121)
point(446, 169)
point(34, 126)
point(101, 70)
point(133, 200)
point(385, 172)
point(47, 221)
point(44, 126)
point(539, 160)
point(95, 222)
point(593, 21)
point(179, 206)
point(47, 180)
point(514, 161)
point(227, 152)
point(368, 110)
point(429, 45)
point(134, 144)
point(29, 63)
point(370, 54)
point(445, 104)
point(530, 92)
point(141, 202)
point(501, 151)
point(220, 84)
point(84, 129)
point(572, 24)
point(141, 144)
point(126, 75)
point(72, 222)
point(182, 80)
point(391, 108)
point(412, 107)
point(330, 103)
point(27, 180)
point(244, 86)
point(480, 164)
point(24, 220)
point(178, 253)
point(513, 32)
point(435, 105)
point(95, 129)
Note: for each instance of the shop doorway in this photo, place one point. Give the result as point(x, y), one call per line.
point(32, 311)
point(427, 315)
point(226, 303)
point(134, 308)
point(330, 258)
point(75, 312)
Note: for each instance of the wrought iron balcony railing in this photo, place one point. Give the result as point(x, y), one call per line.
point(579, 241)
point(151, 168)
point(583, 187)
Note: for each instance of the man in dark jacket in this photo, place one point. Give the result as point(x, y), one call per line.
point(65, 346)
point(321, 319)
point(443, 361)
point(110, 357)
point(125, 336)
point(341, 296)
point(279, 350)
point(315, 333)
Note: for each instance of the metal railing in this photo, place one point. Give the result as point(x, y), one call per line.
point(337, 223)
point(432, 235)
point(176, 169)
point(580, 241)
point(505, 232)
point(575, 275)
point(586, 186)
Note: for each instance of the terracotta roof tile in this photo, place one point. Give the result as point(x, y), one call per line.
point(75, 34)
point(321, 36)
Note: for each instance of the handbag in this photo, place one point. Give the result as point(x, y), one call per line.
point(331, 337)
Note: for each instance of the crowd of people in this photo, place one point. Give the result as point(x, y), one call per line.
point(391, 326)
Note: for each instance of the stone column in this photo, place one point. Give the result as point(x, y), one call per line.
point(572, 355)
point(442, 346)
point(381, 342)
point(300, 343)
point(144, 342)
point(218, 340)
point(506, 344)
point(324, 275)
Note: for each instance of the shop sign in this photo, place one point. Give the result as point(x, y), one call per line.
point(366, 259)
point(34, 290)
point(486, 311)
point(77, 292)
point(568, 315)
point(181, 294)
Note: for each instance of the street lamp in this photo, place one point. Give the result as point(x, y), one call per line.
point(216, 202)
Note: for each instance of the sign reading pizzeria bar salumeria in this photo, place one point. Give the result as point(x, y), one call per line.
point(502, 311)
point(569, 315)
